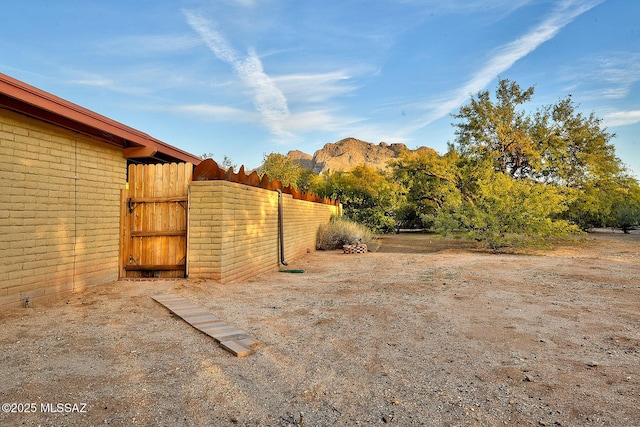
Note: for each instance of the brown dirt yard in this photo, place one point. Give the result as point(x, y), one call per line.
point(424, 332)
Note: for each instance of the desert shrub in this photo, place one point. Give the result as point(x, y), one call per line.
point(340, 231)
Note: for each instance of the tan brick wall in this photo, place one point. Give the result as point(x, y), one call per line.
point(46, 213)
point(233, 230)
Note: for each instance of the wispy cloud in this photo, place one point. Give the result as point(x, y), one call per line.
point(471, 6)
point(245, 3)
point(315, 87)
point(149, 45)
point(603, 76)
point(492, 10)
point(321, 119)
point(242, 3)
point(216, 112)
point(505, 56)
point(622, 118)
point(268, 100)
point(622, 75)
point(96, 82)
point(134, 80)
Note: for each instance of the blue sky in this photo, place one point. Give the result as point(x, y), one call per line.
point(244, 78)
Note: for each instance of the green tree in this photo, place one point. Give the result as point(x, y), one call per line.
point(556, 145)
point(498, 130)
point(280, 167)
point(627, 208)
point(308, 181)
point(469, 197)
point(427, 183)
point(502, 211)
point(502, 181)
point(367, 195)
point(577, 153)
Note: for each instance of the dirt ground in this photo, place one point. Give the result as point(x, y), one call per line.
point(424, 332)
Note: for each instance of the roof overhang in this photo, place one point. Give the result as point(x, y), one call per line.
point(23, 98)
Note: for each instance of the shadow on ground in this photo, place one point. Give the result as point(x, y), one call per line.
point(419, 243)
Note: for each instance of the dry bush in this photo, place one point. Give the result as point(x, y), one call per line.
point(340, 231)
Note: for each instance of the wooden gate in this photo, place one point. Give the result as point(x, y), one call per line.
point(154, 221)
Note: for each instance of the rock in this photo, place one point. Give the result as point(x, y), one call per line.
point(348, 153)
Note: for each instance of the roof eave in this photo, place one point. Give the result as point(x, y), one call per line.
point(32, 101)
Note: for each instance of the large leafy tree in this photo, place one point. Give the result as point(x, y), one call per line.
point(428, 184)
point(502, 211)
point(627, 207)
point(280, 167)
point(367, 195)
point(498, 130)
point(469, 197)
point(308, 181)
point(555, 145)
point(573, 148)
point(577, 153)
point(514, 175)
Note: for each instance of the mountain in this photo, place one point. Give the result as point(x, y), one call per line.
point(348, 153)
point(303, 159)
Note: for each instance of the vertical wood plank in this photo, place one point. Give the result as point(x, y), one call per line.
point(171, 223)
point(164, 212)
point(125, 231)
point(144, 213)
point(155, 243)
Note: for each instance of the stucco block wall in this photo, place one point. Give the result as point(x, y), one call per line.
point(233, 229)
point(59, 209)
point(301, 222)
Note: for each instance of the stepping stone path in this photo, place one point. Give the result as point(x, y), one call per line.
point(232, 339)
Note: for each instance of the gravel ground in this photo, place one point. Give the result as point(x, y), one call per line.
point(426, 331)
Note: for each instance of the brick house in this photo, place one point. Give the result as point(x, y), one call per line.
point(62, 168)
point(80, 205)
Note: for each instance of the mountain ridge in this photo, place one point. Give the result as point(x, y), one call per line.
point(348, 153)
